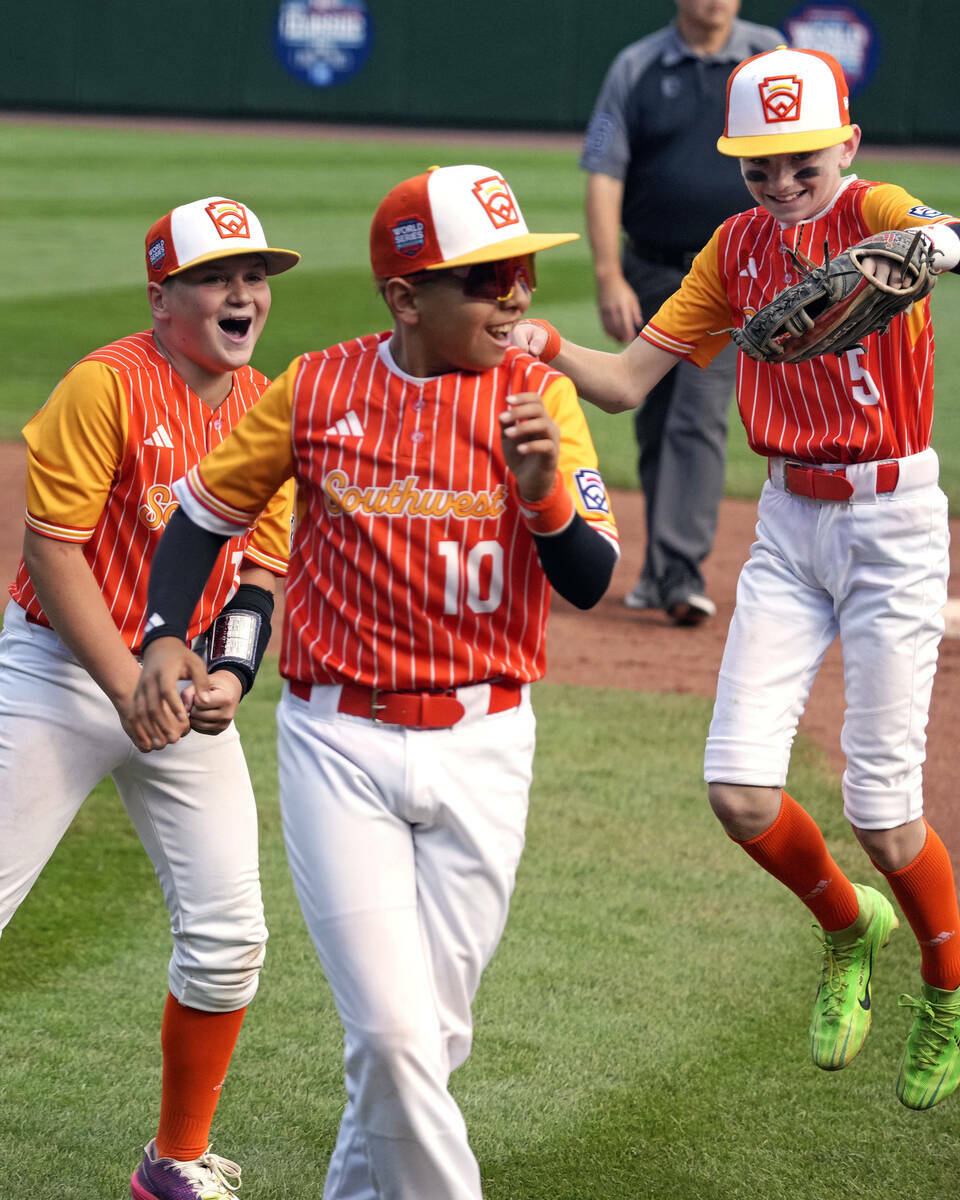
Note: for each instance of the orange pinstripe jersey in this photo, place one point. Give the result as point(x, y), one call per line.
point(411, 567)
point(866, 404)
point(102, 457)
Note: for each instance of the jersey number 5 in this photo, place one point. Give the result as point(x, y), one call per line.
point(864, 391)
point(483, 565)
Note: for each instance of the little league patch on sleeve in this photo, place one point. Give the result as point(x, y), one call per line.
point(591, 490)
point(921, 210)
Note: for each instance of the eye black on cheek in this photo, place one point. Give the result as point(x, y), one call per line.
point(807, 173)
point(755, 176)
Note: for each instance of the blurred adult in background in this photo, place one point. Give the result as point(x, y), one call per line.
point(655, 175)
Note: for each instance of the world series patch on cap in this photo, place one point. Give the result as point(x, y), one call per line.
point(451, 217)
point(785, 102)
point(208, 229)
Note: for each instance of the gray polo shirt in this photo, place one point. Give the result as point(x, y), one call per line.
point(655, 126)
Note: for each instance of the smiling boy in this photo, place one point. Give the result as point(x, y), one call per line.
point(445, 481)
point(102, 457)
point(851, 542)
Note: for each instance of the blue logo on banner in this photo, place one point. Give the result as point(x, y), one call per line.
point(323, 42)
point(843, 30)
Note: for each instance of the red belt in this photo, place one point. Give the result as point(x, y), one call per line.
point(416, 710)
point(817, 483)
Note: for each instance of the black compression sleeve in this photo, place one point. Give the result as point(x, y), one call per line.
point(578, 562)
point(179, 572)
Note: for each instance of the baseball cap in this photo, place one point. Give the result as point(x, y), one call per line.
point(785, 102)
point(206, 229)
point(451, 217)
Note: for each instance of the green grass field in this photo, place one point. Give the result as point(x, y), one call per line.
point(75, 204)
point(640, 1034)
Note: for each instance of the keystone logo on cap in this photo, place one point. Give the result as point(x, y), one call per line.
point(229, 219)
point(780, 96)
point(497, 201)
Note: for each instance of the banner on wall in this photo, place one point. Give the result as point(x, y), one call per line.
point(323, 42)
point(843, 30)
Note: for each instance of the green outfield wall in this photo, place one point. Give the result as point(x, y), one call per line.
point(533, 64)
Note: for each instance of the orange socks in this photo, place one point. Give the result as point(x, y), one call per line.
point(196, 1053)
point(792, 850)
point(926, 892)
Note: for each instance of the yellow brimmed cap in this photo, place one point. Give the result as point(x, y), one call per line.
point(205, 230)
point(785, 102)
point(451, 217)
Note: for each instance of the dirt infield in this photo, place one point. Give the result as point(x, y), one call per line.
point(614, 647)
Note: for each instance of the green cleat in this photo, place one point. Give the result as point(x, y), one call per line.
point(931, 1065)
point(842, 1009)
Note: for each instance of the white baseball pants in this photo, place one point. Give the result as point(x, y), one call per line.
point(872, 570)
point(403, 845)
point(191, 804)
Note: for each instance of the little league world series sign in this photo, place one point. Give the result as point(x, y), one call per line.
point(843, 30)
point(323, 42)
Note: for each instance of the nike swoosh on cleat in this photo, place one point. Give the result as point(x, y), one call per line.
point(865, 998)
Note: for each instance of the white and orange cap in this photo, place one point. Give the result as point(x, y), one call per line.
point(208, 229)
point(451, 217)
point(785, 102)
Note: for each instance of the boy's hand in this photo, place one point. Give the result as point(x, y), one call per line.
point(531, 444)
point(160, 713)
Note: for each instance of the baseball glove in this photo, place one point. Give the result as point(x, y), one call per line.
point(834, 306)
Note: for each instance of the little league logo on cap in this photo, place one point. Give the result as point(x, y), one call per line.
point(785, 102)
point(229, 218)
point(497, 201)
point(214, 227)
point(450, 217)
point(780, 97)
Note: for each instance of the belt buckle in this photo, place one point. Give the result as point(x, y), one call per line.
point(375, 706)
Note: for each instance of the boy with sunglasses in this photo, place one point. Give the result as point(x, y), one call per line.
point(851, 543)
point(446, 480)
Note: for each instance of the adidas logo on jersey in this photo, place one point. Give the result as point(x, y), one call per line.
point(348, 426)
point(160, 438)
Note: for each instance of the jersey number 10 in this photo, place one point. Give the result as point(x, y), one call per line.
point(483, 569)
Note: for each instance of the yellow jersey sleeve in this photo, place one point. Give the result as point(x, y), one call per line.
point(888, 206)
point(75, 444)
point(229, 488)
point(692, 323)
point(269, 544)
point(577, 462)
